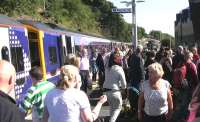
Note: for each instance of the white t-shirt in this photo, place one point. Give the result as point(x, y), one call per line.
point(84, 63)
point(155, 100)
point(65, 106)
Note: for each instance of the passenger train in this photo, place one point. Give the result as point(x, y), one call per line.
point(27, 43)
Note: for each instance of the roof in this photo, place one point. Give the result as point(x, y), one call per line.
point(7, 21)
point(37, 24)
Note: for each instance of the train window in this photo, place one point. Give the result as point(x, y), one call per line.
point(34, 53)
point(52, 55)
point(5, 53)
point(32, 35)
point(68, 44)
point(17, 58)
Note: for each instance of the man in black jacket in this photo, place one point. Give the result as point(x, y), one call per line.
point(8, 110)
point(100, 65)
point(136, 75)
point(136, 64)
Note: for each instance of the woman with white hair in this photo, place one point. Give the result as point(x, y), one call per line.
point(66, 103)
point(155, 100)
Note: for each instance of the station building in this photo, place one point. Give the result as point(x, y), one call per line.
point(184, 34)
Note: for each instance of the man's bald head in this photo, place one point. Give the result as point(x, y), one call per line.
point(7, 76)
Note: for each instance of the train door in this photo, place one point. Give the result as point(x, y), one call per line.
point(73, 45)
point(62, 49)
point(69, 44)
point(34, 48)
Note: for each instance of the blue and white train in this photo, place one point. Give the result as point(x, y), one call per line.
point(27, 43)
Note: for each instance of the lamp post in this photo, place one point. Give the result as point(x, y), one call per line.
point(44, 5)
point(134, 24)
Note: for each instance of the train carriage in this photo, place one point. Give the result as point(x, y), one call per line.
point(27, 43)
point(45, 49)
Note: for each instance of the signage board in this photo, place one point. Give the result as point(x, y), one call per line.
point(121, 10)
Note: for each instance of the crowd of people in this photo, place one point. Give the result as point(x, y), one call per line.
point(160, 85)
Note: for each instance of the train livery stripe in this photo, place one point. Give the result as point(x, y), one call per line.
point(41, 53)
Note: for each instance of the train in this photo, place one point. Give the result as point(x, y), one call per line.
point(28, 43)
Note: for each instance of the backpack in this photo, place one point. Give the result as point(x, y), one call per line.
point(179, 80)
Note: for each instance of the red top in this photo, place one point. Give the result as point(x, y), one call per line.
point(178, 75)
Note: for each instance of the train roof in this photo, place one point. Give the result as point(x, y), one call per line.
point(72, 32)
point(37, 24)
point(8, 21)
point(79, 37)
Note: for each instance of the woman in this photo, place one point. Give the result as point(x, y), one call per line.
point(65, 103)
point(74, 60)
point(150, 60)
point(114, 82)
point(155, 100)
point(166, 63)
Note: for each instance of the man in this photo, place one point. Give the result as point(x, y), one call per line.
point(36, 94)
point(8, 110)
point(179, 57)
point(100, 64)
point(84, 70)
point(136, 75)
point(136, 67)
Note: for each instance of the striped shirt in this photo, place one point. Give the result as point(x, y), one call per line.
point(35, 98)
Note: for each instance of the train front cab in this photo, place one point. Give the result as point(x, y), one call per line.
point(14, 48)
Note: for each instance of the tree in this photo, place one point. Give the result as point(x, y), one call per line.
point(156, 34)
point(88, 16)
point(141, 32)
point(165, 42)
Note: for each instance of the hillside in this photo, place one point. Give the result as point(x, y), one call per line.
point(87, 16)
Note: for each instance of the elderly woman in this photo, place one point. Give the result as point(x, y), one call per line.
point(65, 103)
point(155, 100)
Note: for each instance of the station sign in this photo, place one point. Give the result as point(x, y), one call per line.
point(121, 10)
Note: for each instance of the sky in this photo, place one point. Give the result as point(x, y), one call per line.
point(155, 14)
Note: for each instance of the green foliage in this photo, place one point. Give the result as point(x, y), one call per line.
point(168, 40)
point(156, 34)
point(141, 33)
point(75, 13)
point(89, 16)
